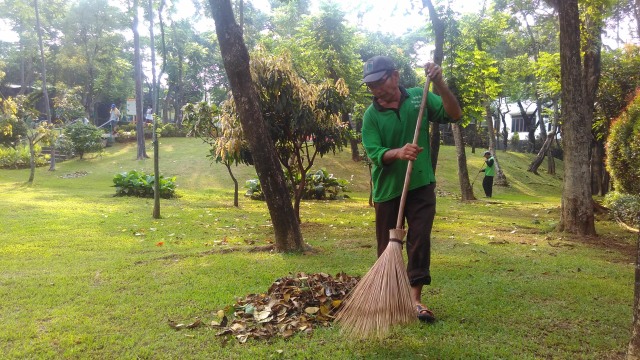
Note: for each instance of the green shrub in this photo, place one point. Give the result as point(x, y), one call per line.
point(319, 185)
point(123, 136)
point(137, 183)
point(623, 149)
point(625, 207)
point(84, 138)
point(171, 130)
point(19, 158)
point(127, 133)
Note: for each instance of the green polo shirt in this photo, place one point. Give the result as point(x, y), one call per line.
point(386, 129)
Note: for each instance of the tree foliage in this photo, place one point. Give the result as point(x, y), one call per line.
point(623, 149)
point(84, 138)
point(303, 119)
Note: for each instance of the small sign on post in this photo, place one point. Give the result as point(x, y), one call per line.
point(131, 107)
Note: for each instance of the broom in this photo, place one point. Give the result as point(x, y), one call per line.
point(382, 298)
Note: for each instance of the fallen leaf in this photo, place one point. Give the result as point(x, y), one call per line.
point(311, 310)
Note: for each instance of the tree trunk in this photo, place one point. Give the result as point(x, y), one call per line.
point(577, 208)
point(236, 63)
point(164, 58)
point(235, 184)
point(463, 174)
point(533, 167)
point(32, 160)
point(156, 171)
point(142, 153)
point(438, 55)
point(45, 92)
point(633, 350)
point(154, 87)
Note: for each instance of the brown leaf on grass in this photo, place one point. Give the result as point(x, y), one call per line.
point(180, 326)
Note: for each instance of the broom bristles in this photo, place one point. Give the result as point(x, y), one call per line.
point(381, 299)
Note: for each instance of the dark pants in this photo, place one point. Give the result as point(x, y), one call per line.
point(487, 185)
point(419, 212)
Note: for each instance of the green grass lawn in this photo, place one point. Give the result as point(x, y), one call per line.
point(85, 275)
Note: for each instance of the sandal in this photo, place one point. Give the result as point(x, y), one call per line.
point(425, 314)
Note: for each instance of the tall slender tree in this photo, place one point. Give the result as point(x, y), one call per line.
point(45, 92)
point(137, 63)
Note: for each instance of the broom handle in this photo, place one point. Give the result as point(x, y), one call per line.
point(407, 177)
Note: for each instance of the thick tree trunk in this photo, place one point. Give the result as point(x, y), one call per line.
point(577, 208)
point(236, 63)
point(156, 171)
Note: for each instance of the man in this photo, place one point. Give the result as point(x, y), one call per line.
point(114, 117)
point(387, 133)
point(489, 172)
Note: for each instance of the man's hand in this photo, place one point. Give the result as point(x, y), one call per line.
point(433, 71)
point(408, 152)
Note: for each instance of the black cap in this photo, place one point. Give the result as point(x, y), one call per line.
point(376, 67)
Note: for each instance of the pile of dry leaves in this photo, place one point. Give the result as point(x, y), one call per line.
point(292, 304)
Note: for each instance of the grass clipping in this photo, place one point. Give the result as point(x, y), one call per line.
point(382, 298)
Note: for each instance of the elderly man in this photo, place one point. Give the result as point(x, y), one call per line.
point(387, 133)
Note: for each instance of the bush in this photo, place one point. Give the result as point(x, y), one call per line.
point(623, 150)
point(624, 207)
point(171, 130)
point(137, 183)
point(127, 133)
point(320, 185)
point(19, 158)
point(84, 138)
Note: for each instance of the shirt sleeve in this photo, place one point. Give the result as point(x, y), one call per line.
point(371, 139)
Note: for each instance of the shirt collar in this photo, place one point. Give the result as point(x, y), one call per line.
point(403, 96)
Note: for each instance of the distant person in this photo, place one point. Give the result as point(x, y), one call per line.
point(149, 115)
point(489, 173)
point(114, 116)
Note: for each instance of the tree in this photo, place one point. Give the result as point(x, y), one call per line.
point(37, 133)
point(577, 205)
point(323, 48)
point(304, 119)
point(137, 63)
point(84, 138)
point(45, 92)
point(623, 156)
point(221, 130)
point(618, 83)
point(466, 190)
point(236, 63)
point(474, 73)
point(91, 54)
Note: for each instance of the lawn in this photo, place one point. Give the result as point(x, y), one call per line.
point(85, 275)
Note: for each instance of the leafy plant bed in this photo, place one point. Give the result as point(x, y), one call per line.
point(137, 183)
